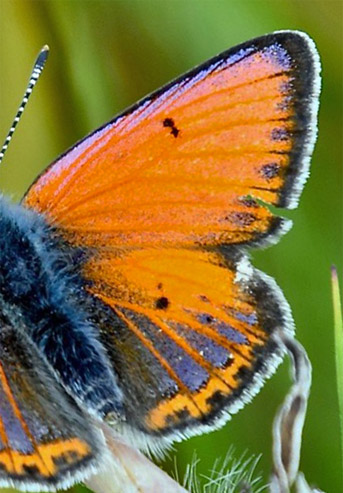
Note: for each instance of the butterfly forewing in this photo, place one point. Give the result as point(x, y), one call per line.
point(183, 165)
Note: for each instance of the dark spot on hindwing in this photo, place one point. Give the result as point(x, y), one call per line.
point(169, 123)
point(68, 457)
point(216, 400)
point(182, 415)
point(32, 470)
point(205, 318)
point(162, 303)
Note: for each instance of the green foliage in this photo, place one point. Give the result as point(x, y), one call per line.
point(338, 317)
point(107, 54)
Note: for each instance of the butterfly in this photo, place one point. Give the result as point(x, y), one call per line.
point(126, 290)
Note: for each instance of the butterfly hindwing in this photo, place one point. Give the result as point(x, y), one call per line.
point(45, 440)
point(190, 333)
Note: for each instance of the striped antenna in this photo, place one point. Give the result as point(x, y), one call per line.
point(36, 71)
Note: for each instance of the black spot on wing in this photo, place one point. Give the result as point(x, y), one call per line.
point(169, 123)
point(32, 471)
point(162, 303)
point(216, 401)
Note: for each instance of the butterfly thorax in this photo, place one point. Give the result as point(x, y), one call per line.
point(42, 292)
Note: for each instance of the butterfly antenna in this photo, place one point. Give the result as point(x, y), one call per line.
point(36, 71)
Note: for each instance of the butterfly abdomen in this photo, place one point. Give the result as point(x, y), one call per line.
point(41, 290)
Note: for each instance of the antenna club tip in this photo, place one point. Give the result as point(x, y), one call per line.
point(42, 57)
point(35, 74)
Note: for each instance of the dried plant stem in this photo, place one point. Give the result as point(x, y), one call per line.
point(289, 420)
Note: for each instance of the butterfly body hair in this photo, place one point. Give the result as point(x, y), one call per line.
point(41, 289)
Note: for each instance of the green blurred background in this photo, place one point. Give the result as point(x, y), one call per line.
point(107, 54)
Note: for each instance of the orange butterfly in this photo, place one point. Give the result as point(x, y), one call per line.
point(126, 264)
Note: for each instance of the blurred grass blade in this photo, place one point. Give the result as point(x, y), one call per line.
point(338, 323)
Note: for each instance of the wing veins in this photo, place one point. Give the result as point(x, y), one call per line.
point(68, 186)
point(187, 349)
point(150, 314)
point(150, 205)
point(228, 126)
point(227, 107)
point(134, 176)
point(126, 121)
point(231, 89)
point(176, 228)
point(155, 353)
point(224, 184)
point(7, 448)
point(192, 324)
point(7, 389)
point(202, 286)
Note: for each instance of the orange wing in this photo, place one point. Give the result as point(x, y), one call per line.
point(45, 440)
point(189, 333)
point(181, 167)
point(162, 198)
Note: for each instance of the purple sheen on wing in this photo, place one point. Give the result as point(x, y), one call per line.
point(275, 53)
point(15, 433)
point(250, 319)
point(239, 55)
point(186, 368)
point(233, 335)
point(206, 347)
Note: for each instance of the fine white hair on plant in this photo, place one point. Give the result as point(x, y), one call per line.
point(229, 475)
